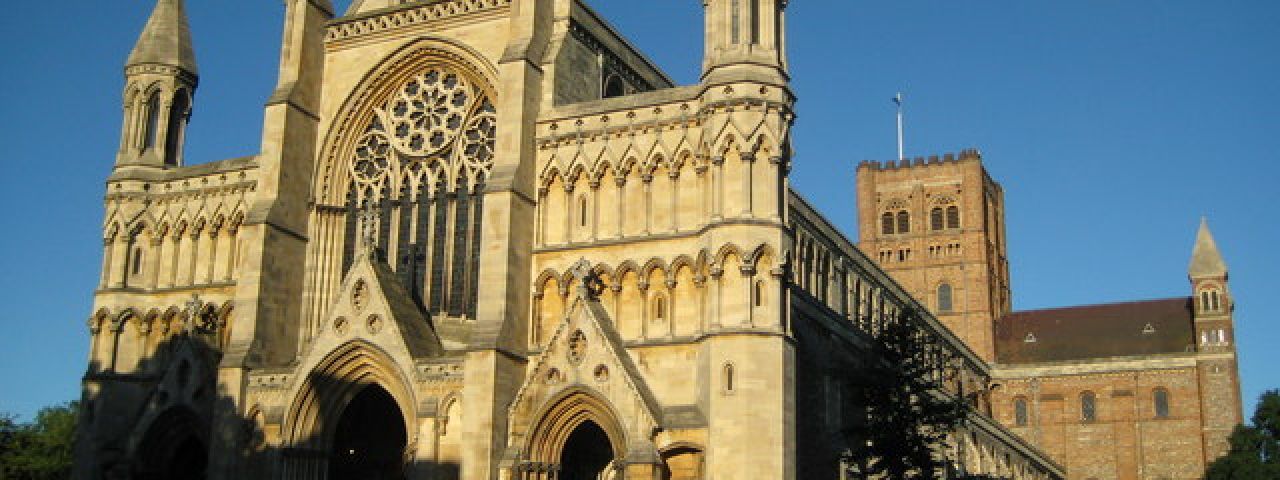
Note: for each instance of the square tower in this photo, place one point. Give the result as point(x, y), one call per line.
point(937, 226)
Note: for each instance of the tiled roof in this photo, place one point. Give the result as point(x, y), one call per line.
point(1095, 331)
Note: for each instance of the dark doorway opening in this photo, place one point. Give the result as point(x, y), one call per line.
point(586, 453)
point(369, 439)
point(172, 449)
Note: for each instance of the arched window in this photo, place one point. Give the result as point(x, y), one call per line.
point(613, 87)
point(177, 121)
point(904, 222)
point(1210, 300)
point(944, 297)
point(1088, 407)
point(152, 127)
point(1160, 399)
point(935, 218)
point(1020, 411)
point(759, 293)
point(953, 217)
point(582, 211)
point(886, 223)
point(137, 260)
point(659, 309)
point(728, 378)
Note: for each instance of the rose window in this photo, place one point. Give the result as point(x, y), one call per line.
point(427, 113)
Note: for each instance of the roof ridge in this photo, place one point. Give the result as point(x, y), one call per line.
point(1105, 304)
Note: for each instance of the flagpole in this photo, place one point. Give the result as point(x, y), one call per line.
point(897, 100)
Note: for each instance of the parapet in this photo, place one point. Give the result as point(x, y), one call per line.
point(964, 155)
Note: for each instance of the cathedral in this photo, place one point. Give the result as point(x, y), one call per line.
point(489, 239)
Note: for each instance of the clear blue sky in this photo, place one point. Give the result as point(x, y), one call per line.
point(1113, 127)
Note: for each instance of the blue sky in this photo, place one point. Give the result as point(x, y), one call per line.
point(1113, 127)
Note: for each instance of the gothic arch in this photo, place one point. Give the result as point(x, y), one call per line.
point(331, 178)
point(562, 415)
point(325, 392)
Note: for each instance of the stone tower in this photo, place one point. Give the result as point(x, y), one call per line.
point(937, 226)
point(161, 78)
point(1216, 364)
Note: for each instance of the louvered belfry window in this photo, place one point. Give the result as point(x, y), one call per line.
point(421, 166)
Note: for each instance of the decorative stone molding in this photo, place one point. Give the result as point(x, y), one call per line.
point(433, 12)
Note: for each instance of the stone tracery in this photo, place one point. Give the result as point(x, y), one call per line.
point(419, 170)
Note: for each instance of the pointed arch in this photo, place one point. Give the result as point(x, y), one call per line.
point(726, 250)
point(321, 397)
point(562, 415)
point(331, 178)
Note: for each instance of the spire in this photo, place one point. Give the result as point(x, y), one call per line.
point(166, 40)
point(1205, 259)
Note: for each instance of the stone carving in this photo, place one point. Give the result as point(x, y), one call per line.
point(360, 295)
point(577, 347)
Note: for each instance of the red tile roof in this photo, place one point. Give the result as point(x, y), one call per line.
point(1096, 331)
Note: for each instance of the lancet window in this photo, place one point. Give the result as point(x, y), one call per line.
point(418, 174)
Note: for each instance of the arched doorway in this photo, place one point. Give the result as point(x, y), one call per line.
point(173, 448)
point(370, 438)
point(587, 453)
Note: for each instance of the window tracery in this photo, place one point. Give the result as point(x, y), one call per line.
point(419, 167)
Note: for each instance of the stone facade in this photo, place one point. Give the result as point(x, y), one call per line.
point(1139, 390)
point(486, 239)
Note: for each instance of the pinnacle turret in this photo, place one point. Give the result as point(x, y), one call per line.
point(1206, 261)
point(166, 40)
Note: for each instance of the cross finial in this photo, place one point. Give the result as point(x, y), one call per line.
point(585, 279)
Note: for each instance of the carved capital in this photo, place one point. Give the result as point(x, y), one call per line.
point(717, 160)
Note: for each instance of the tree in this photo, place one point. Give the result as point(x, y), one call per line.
point(1255, 450)
point(40, 449)
point(908, 414)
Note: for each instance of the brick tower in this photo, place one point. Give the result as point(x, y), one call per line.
point(937, 226)
point(1216, 361)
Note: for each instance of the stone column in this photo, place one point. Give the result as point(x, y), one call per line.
point(594, 218)
point(648, 202)
point(717, 188)
point(621, 192)
point(206, 255)
point(748, 162)
point(570, 205)
point(119, 258)
point(673, 175)
point(108, 248)
point(774, 202)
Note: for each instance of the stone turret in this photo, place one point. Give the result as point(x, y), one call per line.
point(160, 82)
point(745, 41)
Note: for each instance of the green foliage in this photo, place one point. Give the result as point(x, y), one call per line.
point(906, 419)
point(41, 449)
point(1255, 450)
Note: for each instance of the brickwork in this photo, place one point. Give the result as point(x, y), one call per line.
point(1127, 439)
point(1180, 347)
point(968, 255)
